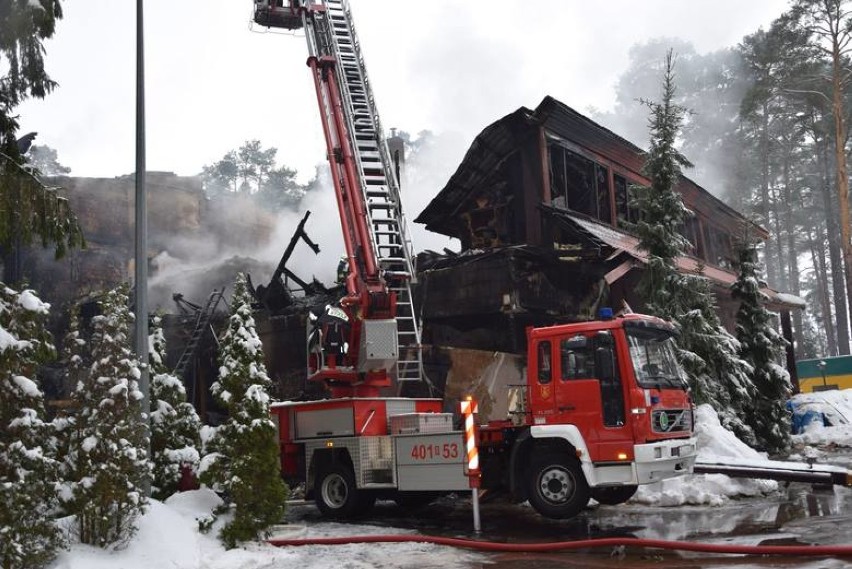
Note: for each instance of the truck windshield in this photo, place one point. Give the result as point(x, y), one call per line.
point(652, 352)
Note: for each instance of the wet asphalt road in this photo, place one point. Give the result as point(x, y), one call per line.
point(800, 515)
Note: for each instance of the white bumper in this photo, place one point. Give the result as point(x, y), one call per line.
point(665, 459)
point(653, 462)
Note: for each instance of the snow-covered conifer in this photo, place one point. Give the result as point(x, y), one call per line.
point(761, 345)
point(74, 359)
point(28, 470)
point(708, 352)
point(175, 425)
point(710, 357)
point(108, 448)
point(245, 467)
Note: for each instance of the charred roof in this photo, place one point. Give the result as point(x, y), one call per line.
point(503, 138)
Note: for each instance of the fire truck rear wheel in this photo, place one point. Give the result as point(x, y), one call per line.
point(557, 488)
point(613, 495)
point(337, 496)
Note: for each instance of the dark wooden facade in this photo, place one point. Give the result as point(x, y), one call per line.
point(554, 184)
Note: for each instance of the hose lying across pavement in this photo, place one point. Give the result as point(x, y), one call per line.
point(797, 550)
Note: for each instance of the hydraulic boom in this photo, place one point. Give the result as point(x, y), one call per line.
point(376, 317)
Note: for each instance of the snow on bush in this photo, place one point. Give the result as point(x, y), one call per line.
point(244, 462)
point(107, 440)
point(28, 470)
point(175, 426)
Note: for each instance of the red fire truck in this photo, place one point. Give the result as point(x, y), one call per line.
point(603, 406)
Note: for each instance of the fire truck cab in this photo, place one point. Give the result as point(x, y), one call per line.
point(605, 408)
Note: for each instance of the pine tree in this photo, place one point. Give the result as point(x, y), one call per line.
point(707, 351)
point(175, 426)
point(108, 449)
point(761, 345)
point(28, 471)
point(245, 468)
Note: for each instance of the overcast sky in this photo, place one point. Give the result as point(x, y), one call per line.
point(214, 82)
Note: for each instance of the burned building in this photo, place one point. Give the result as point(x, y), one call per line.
point(540, 204)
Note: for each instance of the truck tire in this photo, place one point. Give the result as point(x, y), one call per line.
point(337, 496)
point(613, 495)
point(556, 485)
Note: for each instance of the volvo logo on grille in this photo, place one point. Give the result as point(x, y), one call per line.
point(667, 421)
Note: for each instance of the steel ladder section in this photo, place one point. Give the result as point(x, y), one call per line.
point(388, 229)
point(202, 322)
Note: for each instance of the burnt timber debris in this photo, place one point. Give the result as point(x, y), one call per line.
point(276, 295)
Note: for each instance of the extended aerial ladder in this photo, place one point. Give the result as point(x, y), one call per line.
point(383, 334)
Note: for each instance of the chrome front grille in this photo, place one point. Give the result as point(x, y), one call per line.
point(671, 420)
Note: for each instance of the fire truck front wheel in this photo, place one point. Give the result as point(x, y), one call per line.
point(337, 496)
point(557, 488)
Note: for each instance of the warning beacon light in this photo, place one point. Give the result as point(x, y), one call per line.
point(605, 313)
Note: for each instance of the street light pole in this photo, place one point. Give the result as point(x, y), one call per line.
point(141, 260)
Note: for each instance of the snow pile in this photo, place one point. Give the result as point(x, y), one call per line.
point(835, 408)
point(715, 443)
point(168, 536)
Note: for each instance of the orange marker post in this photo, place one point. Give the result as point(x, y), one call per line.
point(468, 408)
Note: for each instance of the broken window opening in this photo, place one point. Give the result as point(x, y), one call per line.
point(487, 222)
point(626, 215)
point(578, 184)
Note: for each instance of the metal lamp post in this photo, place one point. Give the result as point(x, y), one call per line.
point(141, 259)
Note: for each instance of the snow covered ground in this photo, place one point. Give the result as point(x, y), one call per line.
point(168, 534)
point(168, 537)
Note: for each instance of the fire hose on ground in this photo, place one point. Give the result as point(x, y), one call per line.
point(557, 546)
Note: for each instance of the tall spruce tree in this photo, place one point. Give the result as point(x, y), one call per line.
point(662, 209)
point(245, 467)
point(707, 351)
point(175, 426)
point(107, 453)
point(761, 345)
point(28, 469)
